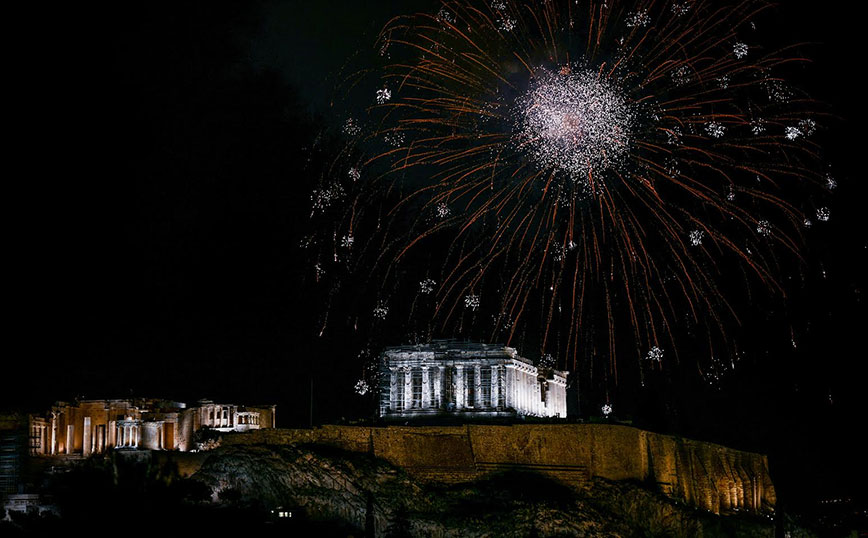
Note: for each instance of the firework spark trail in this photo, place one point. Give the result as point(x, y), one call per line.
point(582, 163)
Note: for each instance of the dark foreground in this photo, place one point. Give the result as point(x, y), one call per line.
point(312, 491)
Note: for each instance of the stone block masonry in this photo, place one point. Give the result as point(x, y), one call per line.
point(704, 475)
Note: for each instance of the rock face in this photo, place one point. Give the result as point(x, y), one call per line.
point(375, 498)
point(702, 475)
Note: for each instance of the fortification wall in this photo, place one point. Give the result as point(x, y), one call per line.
point(704, 475)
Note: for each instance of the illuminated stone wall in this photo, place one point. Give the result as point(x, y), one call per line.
point(89, 427)
point(705, 475)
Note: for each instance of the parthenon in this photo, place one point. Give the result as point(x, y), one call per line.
point(470, 379)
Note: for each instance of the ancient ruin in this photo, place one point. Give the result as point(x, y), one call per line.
point(88, 427)
point(467, 379)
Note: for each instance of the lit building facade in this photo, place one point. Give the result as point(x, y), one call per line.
point(90, 427)
point(467, 379)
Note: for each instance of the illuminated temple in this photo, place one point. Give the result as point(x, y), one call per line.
point(88, 427)
point(467, 379)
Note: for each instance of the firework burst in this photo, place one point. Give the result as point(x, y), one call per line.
point(589, 168)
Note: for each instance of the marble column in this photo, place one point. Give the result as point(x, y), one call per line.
point(53, 433)
point(477, 386)
point(393, 389)
point(426, 388)
point(460, 387)
point(438, 386)
point(495, 386)
point(408, 388)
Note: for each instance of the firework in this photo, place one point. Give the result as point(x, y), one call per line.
point(585, 166)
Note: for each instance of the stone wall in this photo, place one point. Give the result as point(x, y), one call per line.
point(705, 475)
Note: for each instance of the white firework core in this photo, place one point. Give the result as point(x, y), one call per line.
point(574, 122)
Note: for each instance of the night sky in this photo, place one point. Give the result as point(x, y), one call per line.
point(165, 188)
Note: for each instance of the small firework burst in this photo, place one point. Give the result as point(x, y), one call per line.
point(445, 16)
point(723, 82)
point(352, 127)
point(606, 409)
point(559, 254)
point(696, 237)
point(442, 210)
point(823, 214)
point(381, 310)
point(715, 129)
point(682, 75)
point(673, 136)
point(655, 354)
point(306, 242)
point(354, 173)
point(362, 387)
point(383, 96)
point(730, 193)
point(324, 197)
point(793, 133)
point(777, 90)
point(680, 8)
point(831, 184)
point(740, 50)
point(347, 241)
point(807, 223)
point(394, 138)
point(639, 19)
point(808, 126)
point(426, 287)
point(547, 361)
point(472, 302)
point(506, 24)
point(318, 271)
point(764, 228)
point(758, 126)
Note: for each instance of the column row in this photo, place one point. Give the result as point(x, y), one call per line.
point(449, 387)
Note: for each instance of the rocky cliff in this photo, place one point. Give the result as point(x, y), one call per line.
point(375, 498)
point(702, 475)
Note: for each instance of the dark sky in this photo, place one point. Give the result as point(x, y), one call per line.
point(164, 192)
